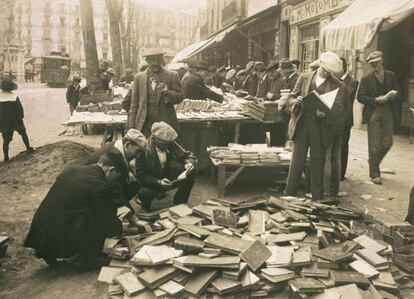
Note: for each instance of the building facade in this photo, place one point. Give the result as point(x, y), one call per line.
point(165, 29)
point(45, 26)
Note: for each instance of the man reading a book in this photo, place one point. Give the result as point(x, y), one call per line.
point(378, 92)
point(165, 166)
point(312, 119)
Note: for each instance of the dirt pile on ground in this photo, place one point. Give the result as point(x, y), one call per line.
point(43, 165)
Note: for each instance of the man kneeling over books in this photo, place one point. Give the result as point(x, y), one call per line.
point(79, 212)
point(164, 167)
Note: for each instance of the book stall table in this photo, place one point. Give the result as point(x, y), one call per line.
point(185, 119)
point(235, 160)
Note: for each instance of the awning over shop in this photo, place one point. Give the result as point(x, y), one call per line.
point(356, 27)
point(196, 48)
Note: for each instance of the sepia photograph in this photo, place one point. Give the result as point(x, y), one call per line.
point(234, 149)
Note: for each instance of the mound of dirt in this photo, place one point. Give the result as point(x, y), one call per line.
point(44, 164)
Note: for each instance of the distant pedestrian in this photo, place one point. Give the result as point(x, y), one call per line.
point(72, 93)
point(11, 116)
point(379, 92)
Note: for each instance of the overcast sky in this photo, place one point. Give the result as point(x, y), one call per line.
point(188, 6)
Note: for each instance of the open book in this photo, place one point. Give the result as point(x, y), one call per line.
point(323, 102)
point(182, 176)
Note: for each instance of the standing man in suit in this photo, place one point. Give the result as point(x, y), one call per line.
point(352, 86)
point(379, 92)
point(289, 79)
point(250, 84)
point(309, 128)
point(155, 91)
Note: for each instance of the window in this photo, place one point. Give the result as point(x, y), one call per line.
point(77, 21)
point(62, 21)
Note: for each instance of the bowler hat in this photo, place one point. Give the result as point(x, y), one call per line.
point(273, 66)
point(286, 63)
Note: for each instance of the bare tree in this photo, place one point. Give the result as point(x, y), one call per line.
point(115, 8)
point(89, 44)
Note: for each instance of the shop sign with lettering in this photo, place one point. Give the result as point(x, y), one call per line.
point(314, 8)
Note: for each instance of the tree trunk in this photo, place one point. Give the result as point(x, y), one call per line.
point(114, 8)
point(89, 45)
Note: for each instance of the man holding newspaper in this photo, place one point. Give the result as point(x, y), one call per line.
point(317, 105)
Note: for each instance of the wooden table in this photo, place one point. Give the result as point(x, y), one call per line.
point(224, 181)
point(111, 121)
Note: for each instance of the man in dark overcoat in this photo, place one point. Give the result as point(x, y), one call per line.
point(312, 128)
point(72, 93)
point(162, 164)
point(379, 93)
point(79, 212)
point(193, 85)
point(155, 91)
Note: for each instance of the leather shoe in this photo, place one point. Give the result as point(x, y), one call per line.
point(376, 180)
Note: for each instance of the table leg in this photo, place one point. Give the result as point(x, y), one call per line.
point(237, 132)
point(234, 176)
point(221, 180)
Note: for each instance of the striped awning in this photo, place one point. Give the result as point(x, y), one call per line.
point(356, 27)
point(196, 48)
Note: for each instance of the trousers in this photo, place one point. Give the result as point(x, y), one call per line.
point(308, 135)
point(345, 150)
point(333, 166)
point(380, 131)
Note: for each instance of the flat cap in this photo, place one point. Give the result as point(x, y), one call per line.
point(117, 161)
point(374, 56)
point(331, 62)
point(241, 73)
point(259, 66)
point(221, 69)
point(272, 66)
point(249, 66)
point(163, 132)
point(230, 74)
point(212, 68)
point(137, 137)
point(286, 63)
point(153, 52)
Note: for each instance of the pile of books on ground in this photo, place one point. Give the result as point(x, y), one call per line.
point(250, 154)
point(281, 247)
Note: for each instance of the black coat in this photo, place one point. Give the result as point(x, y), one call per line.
point(11, 112)
point(77, 214)
point(194, 87)
point(250, 84)
point(368, 91)
point(352, 86)
point(149, 167)
point(72, 94)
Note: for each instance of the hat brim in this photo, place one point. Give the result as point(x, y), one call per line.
point(373, 60)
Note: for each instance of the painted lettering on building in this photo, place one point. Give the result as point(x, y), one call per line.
point(314, 8)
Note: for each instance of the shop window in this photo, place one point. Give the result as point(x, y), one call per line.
point(309, 45)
